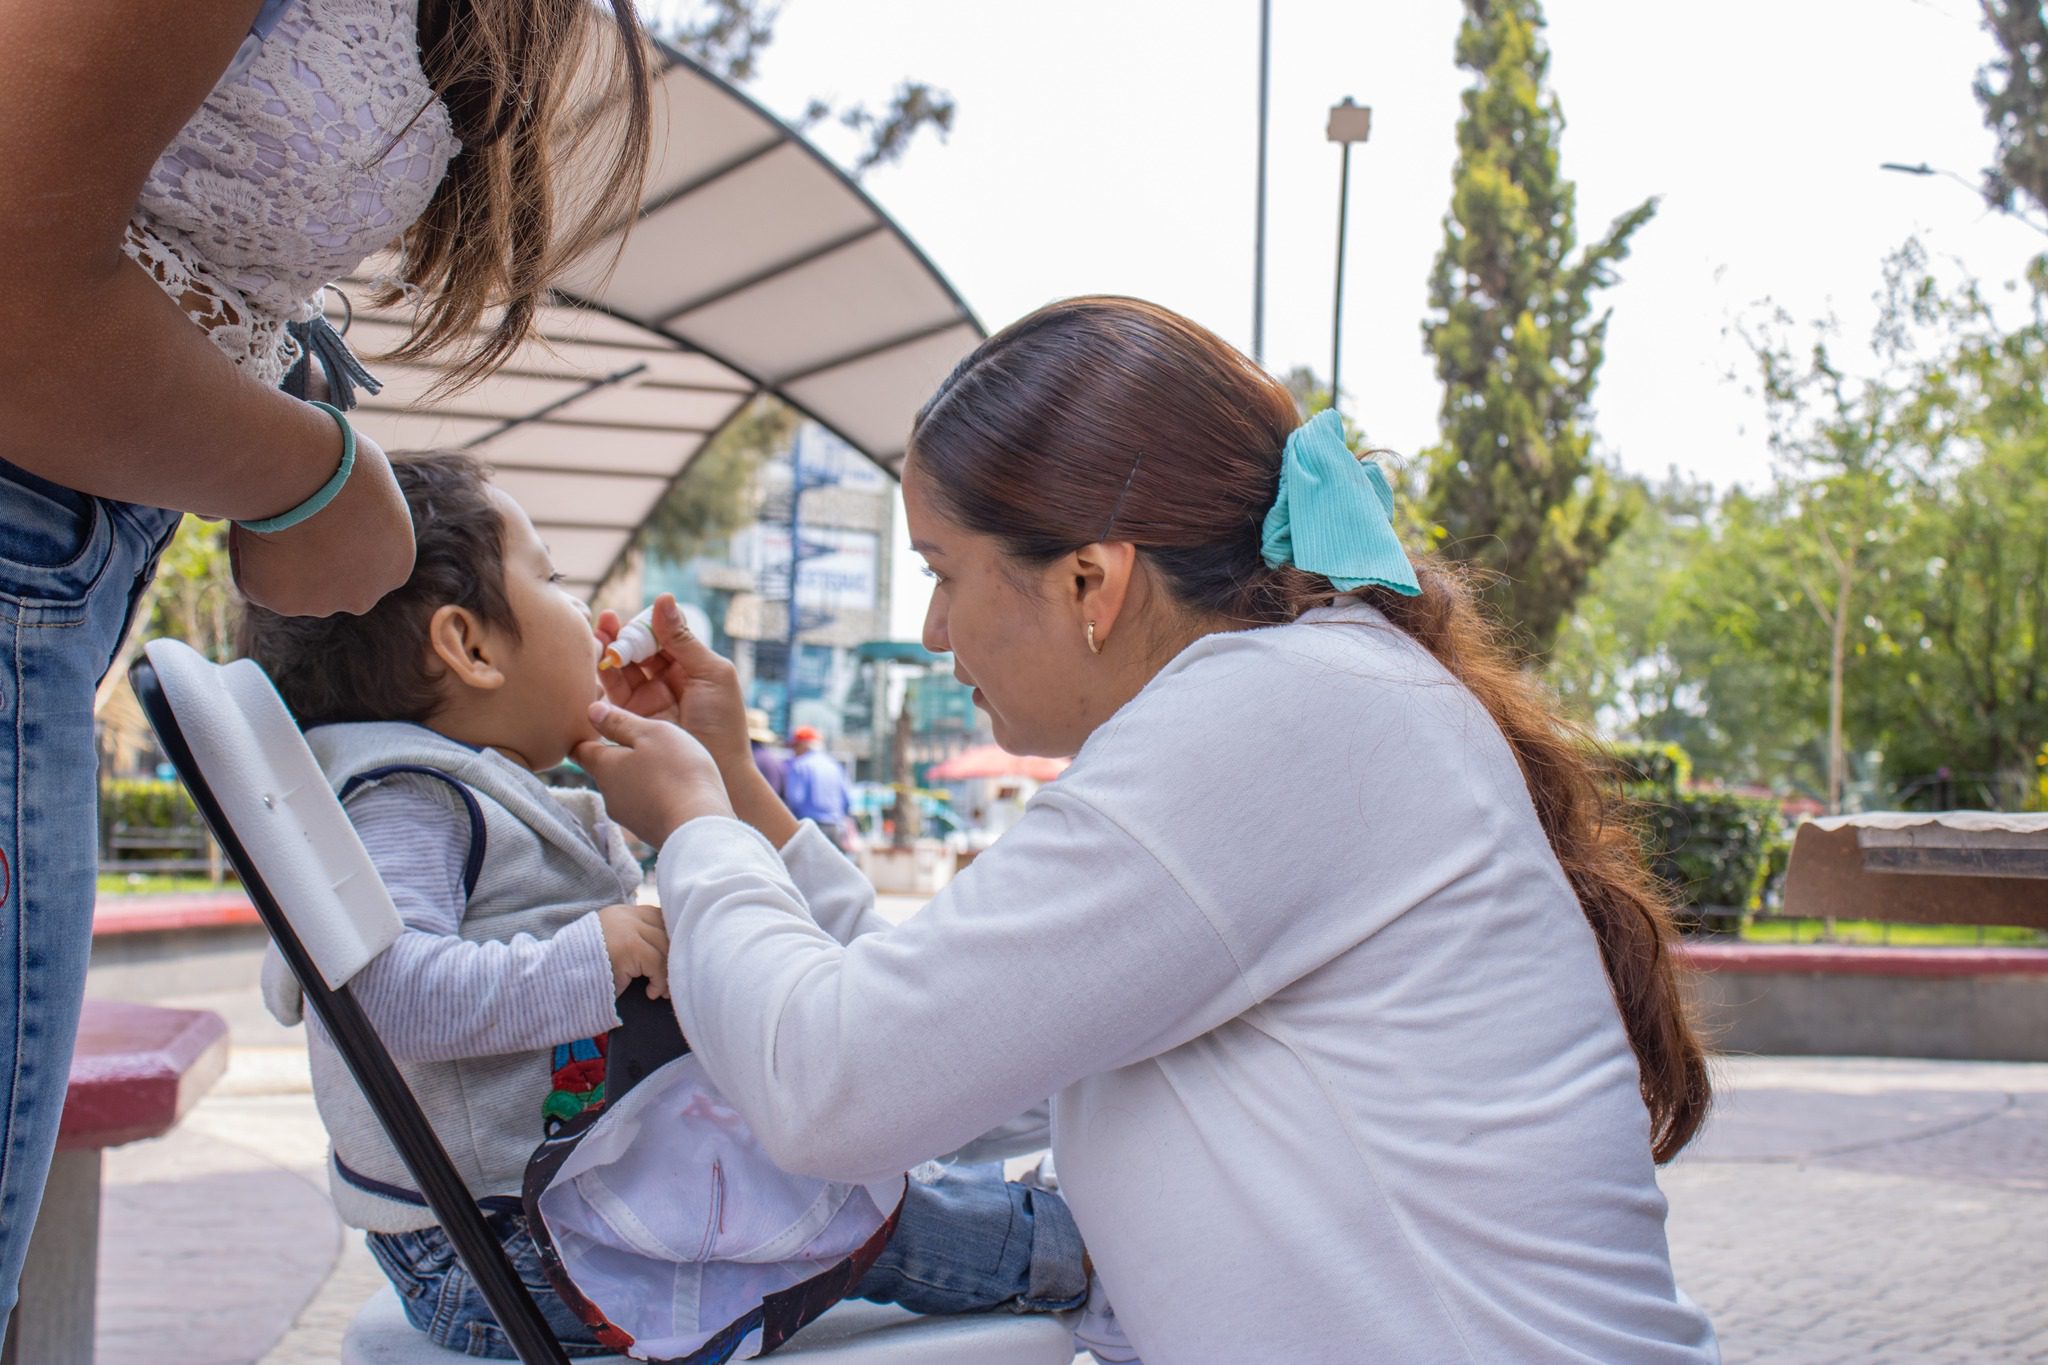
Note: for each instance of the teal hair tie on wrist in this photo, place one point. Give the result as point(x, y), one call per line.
point(323, 495)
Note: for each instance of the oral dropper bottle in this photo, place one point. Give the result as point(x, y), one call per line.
point(635, 643)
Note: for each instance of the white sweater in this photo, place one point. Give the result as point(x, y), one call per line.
point(1336, 1073)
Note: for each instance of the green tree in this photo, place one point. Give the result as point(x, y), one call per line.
point(1688, 634)
point(1887, 592)
point(2013, 90)
point(192, 599)
point(1962, 657)
point(729, 36)
point(715, 495)
point(1835, 505)
point(1756, 613)
point(1513, 483)
point(1619, 662)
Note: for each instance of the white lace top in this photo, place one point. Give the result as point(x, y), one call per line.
point(318, 153)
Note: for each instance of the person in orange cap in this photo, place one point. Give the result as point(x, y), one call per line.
point(815, 786)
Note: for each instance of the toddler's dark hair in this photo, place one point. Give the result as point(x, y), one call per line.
point(377, 666)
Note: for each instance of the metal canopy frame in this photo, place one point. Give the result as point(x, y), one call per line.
point(754, 266)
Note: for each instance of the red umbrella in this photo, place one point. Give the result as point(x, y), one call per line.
point(989, 760)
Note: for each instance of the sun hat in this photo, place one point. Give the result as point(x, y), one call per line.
point(666, 1228)
point(758, 728)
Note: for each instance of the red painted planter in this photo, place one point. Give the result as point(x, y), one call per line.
point(137, 1070)
point(1842, 960)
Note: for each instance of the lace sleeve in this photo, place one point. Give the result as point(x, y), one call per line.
point(320, 148)
point(261, 345)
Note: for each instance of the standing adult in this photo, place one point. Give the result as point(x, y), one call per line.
point(1356, 1005)
point(181, 185)
point(815, 786)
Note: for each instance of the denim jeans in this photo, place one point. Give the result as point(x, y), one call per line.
point(967, 1242)
point(72, 568)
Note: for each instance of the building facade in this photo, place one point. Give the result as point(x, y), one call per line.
point(793, 635)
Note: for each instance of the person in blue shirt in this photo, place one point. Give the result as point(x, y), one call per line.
point(814, 786)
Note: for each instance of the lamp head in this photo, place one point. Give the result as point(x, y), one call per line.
point(1350, 121)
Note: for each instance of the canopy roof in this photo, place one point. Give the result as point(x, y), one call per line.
point(754, 266)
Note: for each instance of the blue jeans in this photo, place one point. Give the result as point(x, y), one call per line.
point(966, 1243)
point(72, 568)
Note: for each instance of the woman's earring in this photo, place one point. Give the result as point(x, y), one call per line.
point(1093, 648)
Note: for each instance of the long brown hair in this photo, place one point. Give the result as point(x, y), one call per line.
point(532, 86)
point(1114, 419)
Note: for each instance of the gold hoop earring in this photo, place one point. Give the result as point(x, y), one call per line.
point(1093, 648)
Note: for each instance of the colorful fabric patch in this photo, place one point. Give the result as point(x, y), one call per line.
point(578, 1082)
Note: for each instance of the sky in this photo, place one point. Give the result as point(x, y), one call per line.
point(1110, 146)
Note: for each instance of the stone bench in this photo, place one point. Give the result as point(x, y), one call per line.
point(1822, 999)
point(148, 947)
point(137, 1071)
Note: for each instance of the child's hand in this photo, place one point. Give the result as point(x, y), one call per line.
point(637, 943)
point(655, 777)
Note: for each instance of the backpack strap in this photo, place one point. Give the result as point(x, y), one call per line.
point(473, 865)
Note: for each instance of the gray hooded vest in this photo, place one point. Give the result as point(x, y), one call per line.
point(534, 867)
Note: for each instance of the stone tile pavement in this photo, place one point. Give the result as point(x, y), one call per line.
point(1834, 1210)
point(1869, 1210)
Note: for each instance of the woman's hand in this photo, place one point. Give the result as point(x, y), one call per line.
point(343, 558)
point(685, 683)
point(688, 684)
point(654, 776)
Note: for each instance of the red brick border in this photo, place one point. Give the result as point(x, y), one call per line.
point(1833, 959)
point(152, 914)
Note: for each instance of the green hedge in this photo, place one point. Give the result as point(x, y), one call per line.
point(145, 803)
point(1715, 850)
point(1665, 767)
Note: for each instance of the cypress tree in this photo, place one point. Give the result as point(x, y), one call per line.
point(1513, 485)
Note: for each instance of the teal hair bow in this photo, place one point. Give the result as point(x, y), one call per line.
point(1334, 514)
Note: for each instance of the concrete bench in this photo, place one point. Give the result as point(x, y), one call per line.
point(1821, 999)
point(137, 1070)
point(150, 947)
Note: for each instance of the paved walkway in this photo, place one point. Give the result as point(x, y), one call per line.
point(1834, 1210)
point(1869, 1210)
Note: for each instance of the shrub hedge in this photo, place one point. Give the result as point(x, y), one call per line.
point(145, 803)
point(1713, 848)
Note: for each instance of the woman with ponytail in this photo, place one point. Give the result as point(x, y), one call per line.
point(1357, 1010)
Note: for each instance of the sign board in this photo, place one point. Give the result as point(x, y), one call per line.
point(844, 577)
point(1953, 867)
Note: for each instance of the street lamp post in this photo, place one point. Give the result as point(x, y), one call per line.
point(1259, 234)
point(1349, 122)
